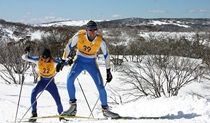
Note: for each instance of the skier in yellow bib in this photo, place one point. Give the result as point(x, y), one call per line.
point(87, 42)
point(46, 70)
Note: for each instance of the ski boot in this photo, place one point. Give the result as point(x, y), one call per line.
point(72, 109)
point(34, 114)
point(108, 113)
point(62, 119)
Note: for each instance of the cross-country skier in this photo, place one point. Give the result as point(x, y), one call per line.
point(46, 70)
point(88, 43)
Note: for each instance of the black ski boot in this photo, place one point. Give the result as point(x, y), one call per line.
point(62, 119)
point(34, 114)
point(108, 113)
point(72, 109)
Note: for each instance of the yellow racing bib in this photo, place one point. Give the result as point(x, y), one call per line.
point(87, 47)
point(46, 70)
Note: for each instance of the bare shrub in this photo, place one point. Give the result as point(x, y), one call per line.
point(159, 75)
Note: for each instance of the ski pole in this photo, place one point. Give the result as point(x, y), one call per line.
point(91, 112)
point(85, 98)
point(38, 97)
point(21, 87)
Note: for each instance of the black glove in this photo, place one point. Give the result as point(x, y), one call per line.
point(109, 75)
point(27, 49)
point(70, 61)
point(60, 66)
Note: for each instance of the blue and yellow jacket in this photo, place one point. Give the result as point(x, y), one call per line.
point(86, 48)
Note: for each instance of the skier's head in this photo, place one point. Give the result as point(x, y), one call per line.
point(91, 25)
point(46, 53)
point(91, 30)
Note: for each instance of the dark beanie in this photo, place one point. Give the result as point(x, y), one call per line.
point(46, 53)
point(91, 25)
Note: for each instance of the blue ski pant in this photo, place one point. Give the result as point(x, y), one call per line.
point(51, 88)
point(89, 64)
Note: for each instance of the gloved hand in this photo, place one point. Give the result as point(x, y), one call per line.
point(70, 61)
point(27, 49)
point(109, 75)
point(60, 65)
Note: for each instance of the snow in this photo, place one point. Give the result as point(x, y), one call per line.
point(170, 22)
point(68, 23)
point(37, 35)
point(184, 108)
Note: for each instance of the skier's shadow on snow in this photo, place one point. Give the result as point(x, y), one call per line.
point(180, 115)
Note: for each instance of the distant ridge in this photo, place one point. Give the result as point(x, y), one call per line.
point(16, 30)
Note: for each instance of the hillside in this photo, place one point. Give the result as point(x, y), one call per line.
point(191, 104)
point(15, 31)
point(183, 108)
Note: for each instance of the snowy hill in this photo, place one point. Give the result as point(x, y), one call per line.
point(11, 31)
point(183, 108)
point(160, 22)
point(67, 23)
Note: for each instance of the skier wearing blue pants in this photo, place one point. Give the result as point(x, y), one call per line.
point(46, 70)
point(87, 42)
point(88, 64)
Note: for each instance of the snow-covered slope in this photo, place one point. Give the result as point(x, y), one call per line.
point(183, 108)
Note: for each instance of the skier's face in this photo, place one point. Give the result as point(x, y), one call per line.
point(92, 33)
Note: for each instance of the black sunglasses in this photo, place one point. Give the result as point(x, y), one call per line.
point(92, 29)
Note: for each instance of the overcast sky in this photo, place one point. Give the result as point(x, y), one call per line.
point(38, 11)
